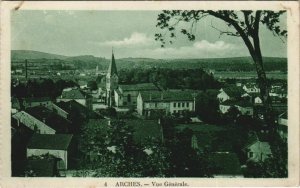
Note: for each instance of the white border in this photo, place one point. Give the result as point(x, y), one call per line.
point(292, 8)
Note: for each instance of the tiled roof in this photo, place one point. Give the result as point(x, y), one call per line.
point(234, 91)
point(50, 141)
point(226, 163)
point(167, 96)
point(241, 103)
point(73, 94)
point(50, 118)
point(72, 106)
point(139, 87)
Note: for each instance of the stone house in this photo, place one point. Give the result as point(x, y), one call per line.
point(258, 147)
point(168, 102)
point(126, 95)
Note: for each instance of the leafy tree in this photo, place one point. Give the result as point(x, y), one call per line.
point(92, 85)
point(245, 24)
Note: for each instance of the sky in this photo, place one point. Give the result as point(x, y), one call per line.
point(129, 33)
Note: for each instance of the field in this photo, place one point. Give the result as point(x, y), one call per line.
point(248, 75)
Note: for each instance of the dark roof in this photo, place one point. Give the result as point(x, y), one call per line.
point(73, 94)
point(145, 129)
point(257, 136)
point(241, 103)
point(42, 167)
point(226, 163)
point(72, 106)
point(157, 96)
point(50, 141)
point(50, 118)
point(139, 87)
point(234, 91)
point(112, 69)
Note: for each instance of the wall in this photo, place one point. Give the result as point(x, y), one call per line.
point(57, 153)
point(223, 96)
point(224, 108)
point(184, 106)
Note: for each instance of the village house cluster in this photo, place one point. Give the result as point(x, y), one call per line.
point(43, 129)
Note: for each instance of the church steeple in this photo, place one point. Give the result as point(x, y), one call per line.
point(112, 80)
point(112, 67)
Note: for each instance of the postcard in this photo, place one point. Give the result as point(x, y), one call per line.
point(149, 93)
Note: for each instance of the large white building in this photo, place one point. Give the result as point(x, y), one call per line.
point(168, 102)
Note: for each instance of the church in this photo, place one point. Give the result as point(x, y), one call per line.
point(121, 95)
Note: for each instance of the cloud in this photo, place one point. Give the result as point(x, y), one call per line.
point(136, 39)
point(199, 49)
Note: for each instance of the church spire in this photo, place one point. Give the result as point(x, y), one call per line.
point(112, 67)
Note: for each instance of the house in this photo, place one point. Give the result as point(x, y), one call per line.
point(166, 102)
point(258, 100)
point(258, 147)
point(36, 101)
point(51, 119)
point(226, 105)
point(126, 95)
point(230, 93)
point(72, 109)
point(244, 106)
point(58, 145)
point(251, 88)
point(32, 123)
point(77, 95)
point(226, 165)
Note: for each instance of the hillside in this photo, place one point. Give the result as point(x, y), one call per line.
point(89, 61)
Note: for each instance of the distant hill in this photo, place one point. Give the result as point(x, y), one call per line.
point(89, 61)
point(28, 54)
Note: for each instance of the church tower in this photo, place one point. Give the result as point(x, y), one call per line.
point(112, 80)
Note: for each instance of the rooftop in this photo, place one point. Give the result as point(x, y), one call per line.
point(73, 106)
point(50, 118)
point(50, 141)
point(73, 94)
point(234, 91)
point(168, 96)
point(139, 87)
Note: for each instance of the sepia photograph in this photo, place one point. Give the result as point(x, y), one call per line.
point(164, 93)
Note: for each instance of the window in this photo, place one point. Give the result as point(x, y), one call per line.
point(183, 104)
point(129, 98)
point(187, 104)
point(174, 104)
point(250, 154)
point(179, 104)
